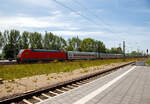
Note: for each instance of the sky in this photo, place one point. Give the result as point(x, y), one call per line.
point(110, 21)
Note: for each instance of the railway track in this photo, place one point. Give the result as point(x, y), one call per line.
point(57, 89)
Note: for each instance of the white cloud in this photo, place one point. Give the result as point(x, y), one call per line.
point(32, 22)
point(43, 3)
point(69, 27)
point(57, 12)
point(75, 14)
point(57, 20)
point(79, 33)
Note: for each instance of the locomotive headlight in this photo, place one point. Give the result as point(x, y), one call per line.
point(18, 56)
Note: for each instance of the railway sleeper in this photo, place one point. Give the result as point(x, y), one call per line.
point(43, 94)
point(26, 101)
point(60, 90)
point(53, 93)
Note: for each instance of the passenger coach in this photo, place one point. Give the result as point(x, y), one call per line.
point(74, 55)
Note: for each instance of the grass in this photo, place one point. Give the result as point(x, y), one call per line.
point(35, 80)
point(10, 90)
point(84, 71)
point(148, 62)
point(48, 78)
point(7, 87)
point(10, 72)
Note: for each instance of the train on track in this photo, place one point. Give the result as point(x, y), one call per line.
point(35, 55)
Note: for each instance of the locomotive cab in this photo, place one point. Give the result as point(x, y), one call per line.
point(19, 56)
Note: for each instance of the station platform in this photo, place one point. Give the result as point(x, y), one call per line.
point(128, 85)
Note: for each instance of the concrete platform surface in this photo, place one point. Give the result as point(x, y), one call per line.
point(128, 85)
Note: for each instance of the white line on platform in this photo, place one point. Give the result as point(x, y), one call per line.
point(101, 89)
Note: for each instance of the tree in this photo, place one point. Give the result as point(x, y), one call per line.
point(91, 45)
point(8, 51)
point(48, 40)
point(61, 43)
point(74, 44)
point(100, 47)
point(24, 43)
point(88, 45)
point(5, 37)
point(116, 50)
point(134, 53)
point(1, 40)
point(119, 50)
point(35, 40)
point(69, 46)
point(58, 43)
point(11, 42)
point(1, 56)
point(52, 41)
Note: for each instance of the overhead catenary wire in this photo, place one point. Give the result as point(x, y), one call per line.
point(108, 28)
point(83, 16)
point(86, 8)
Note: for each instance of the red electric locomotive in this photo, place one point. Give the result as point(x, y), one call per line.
point(34, 55)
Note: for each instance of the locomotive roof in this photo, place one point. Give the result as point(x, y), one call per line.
point(44, 50)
